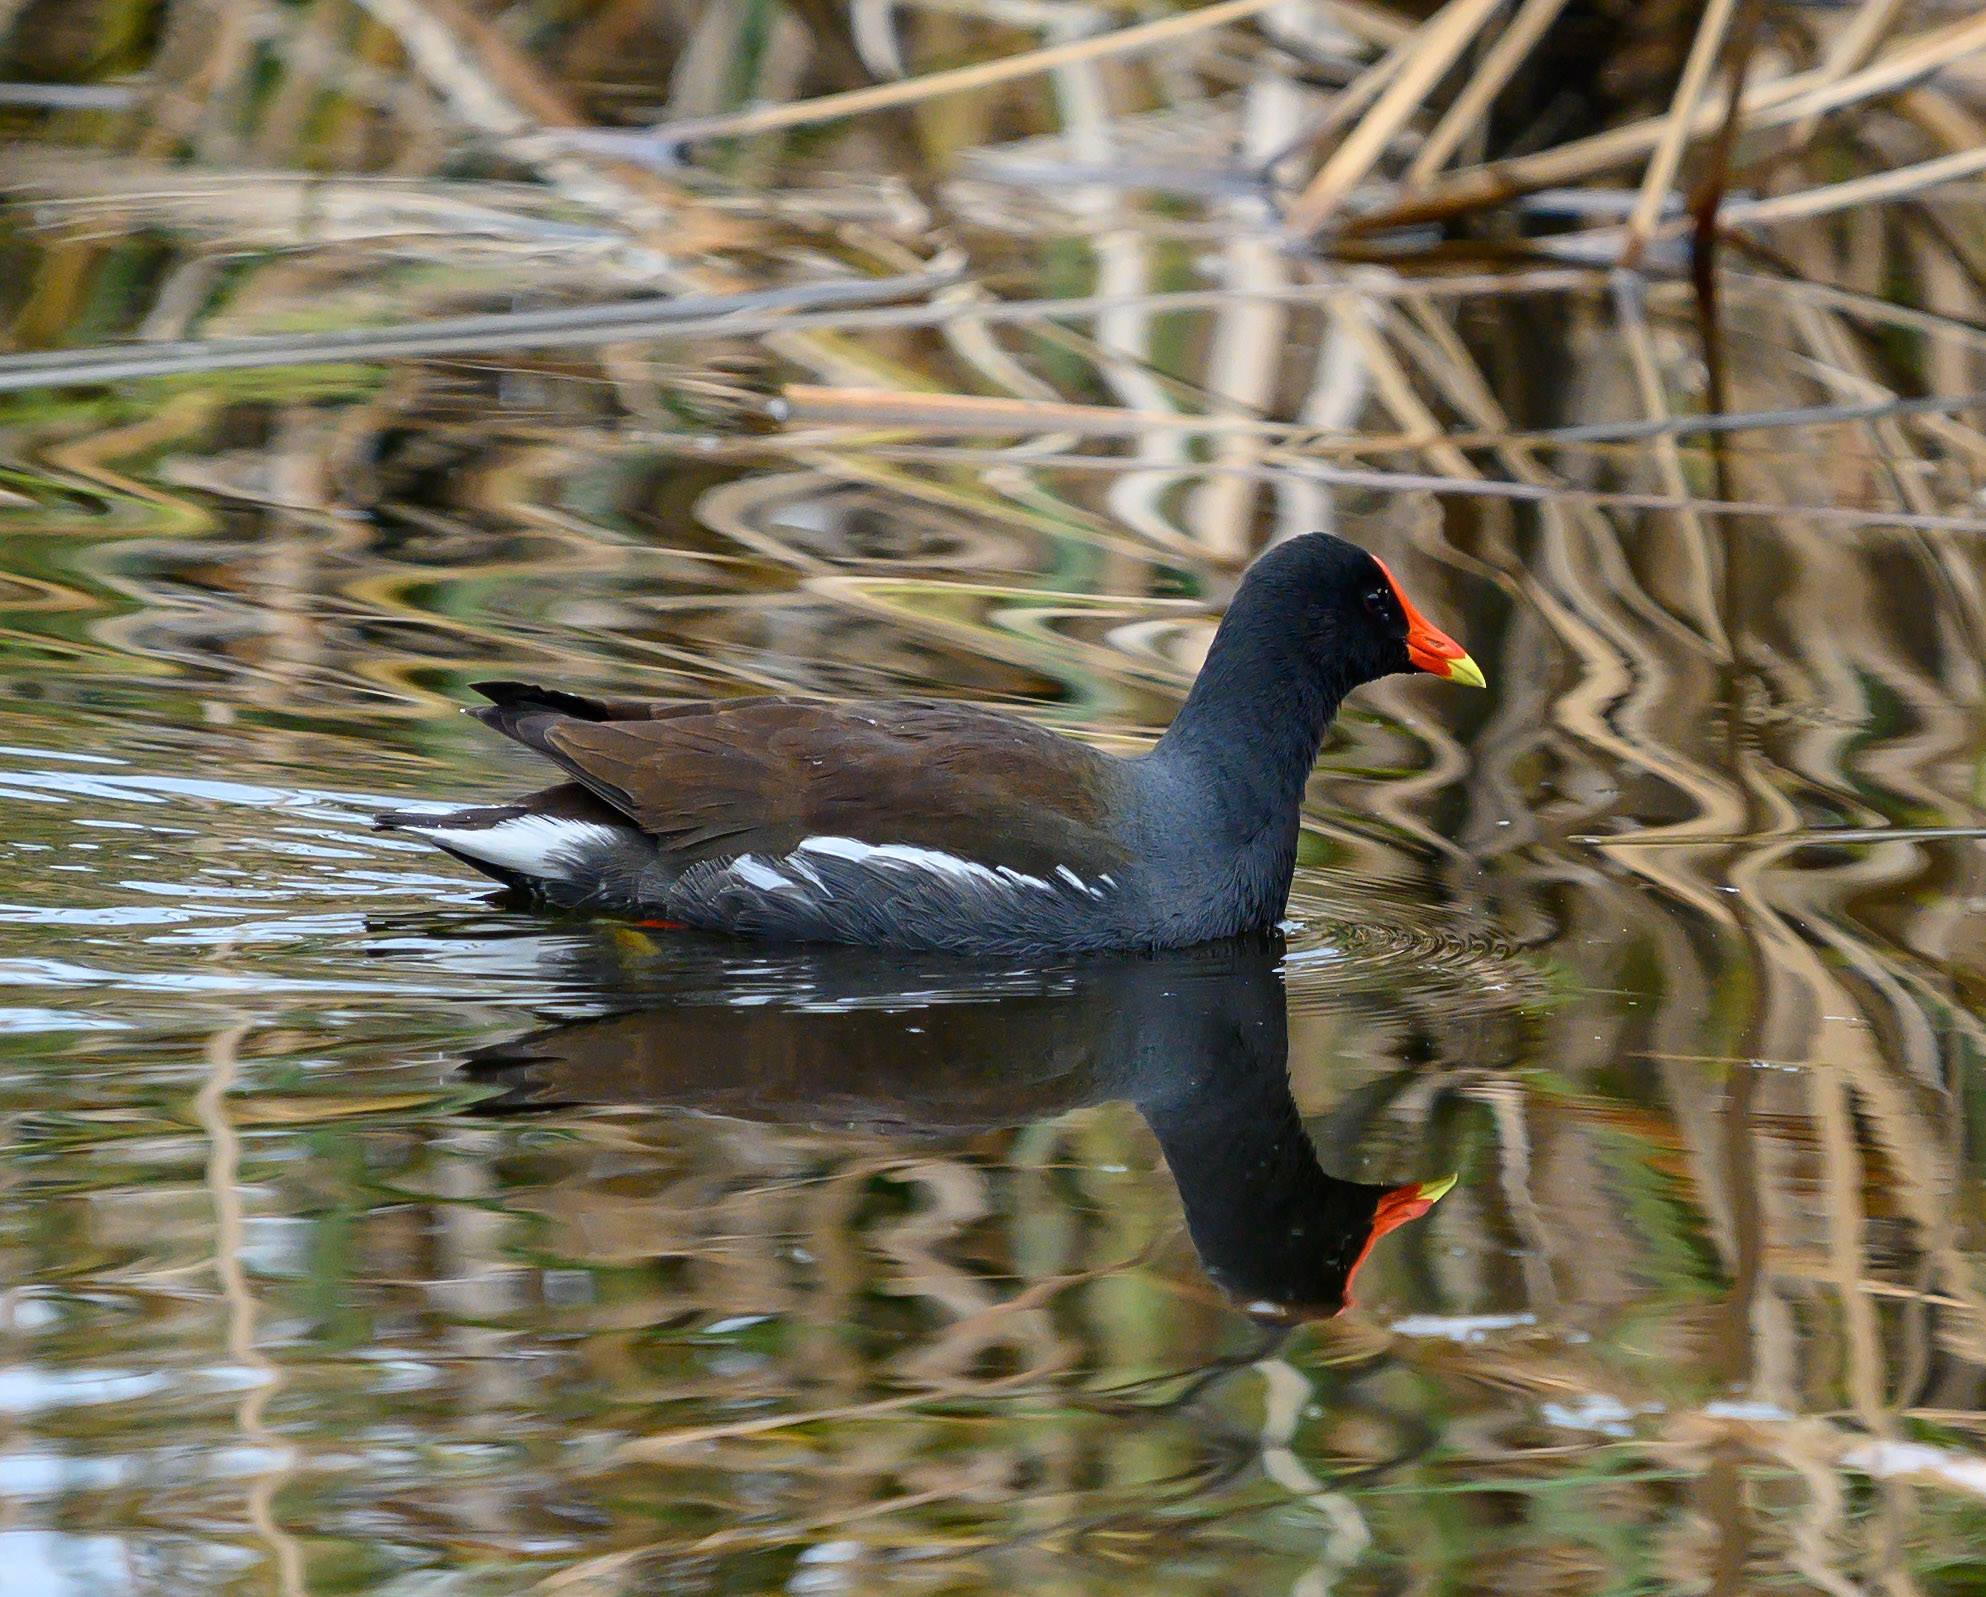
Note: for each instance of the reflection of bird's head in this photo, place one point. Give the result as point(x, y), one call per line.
point(1275, 1230)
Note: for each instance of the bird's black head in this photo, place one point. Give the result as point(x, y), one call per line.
point(1347, 612)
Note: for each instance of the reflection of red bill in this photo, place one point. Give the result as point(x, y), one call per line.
point(1395, 1209)
point(1409, 1203)
point(1433, 650)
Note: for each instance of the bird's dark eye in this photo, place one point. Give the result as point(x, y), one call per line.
point(1375, 601)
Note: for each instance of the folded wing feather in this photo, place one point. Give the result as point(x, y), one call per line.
point(761, 776)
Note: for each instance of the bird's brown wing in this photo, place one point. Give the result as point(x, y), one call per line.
point(758, 776)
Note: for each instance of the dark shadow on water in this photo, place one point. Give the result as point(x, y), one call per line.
point(916, 1046)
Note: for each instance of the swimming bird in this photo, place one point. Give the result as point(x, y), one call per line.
point(933, 825)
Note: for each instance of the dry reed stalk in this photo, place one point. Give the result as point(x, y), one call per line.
point(932, 85)
point(1436, 47)
point(1471, 107)
point(1351, 101)
point(1667, 157)
point(1372, 21)
point(1243, 363)
point(715, 315)
point(495, 89)
point(1876, 188)
point(1852, 46)
point(1771, 104)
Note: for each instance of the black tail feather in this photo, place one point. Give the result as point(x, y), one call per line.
point(525, 712)
point(529, 696)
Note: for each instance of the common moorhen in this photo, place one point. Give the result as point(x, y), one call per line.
point(919, 824)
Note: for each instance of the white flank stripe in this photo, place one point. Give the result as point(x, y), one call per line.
point(925, 859)
point(754, 872)
point(532, 845)
point(935, 861)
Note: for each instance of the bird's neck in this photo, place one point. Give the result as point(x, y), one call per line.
point(1250, 729)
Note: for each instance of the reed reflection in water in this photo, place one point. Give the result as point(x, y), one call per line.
point(1694, 1015)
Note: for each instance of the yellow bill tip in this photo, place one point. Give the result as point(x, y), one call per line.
point(1434, 1191)
point(1467, 672)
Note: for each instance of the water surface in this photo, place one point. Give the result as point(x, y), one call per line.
point(362, 1237)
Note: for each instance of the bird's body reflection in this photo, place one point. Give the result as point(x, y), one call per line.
point(1197, 1040)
